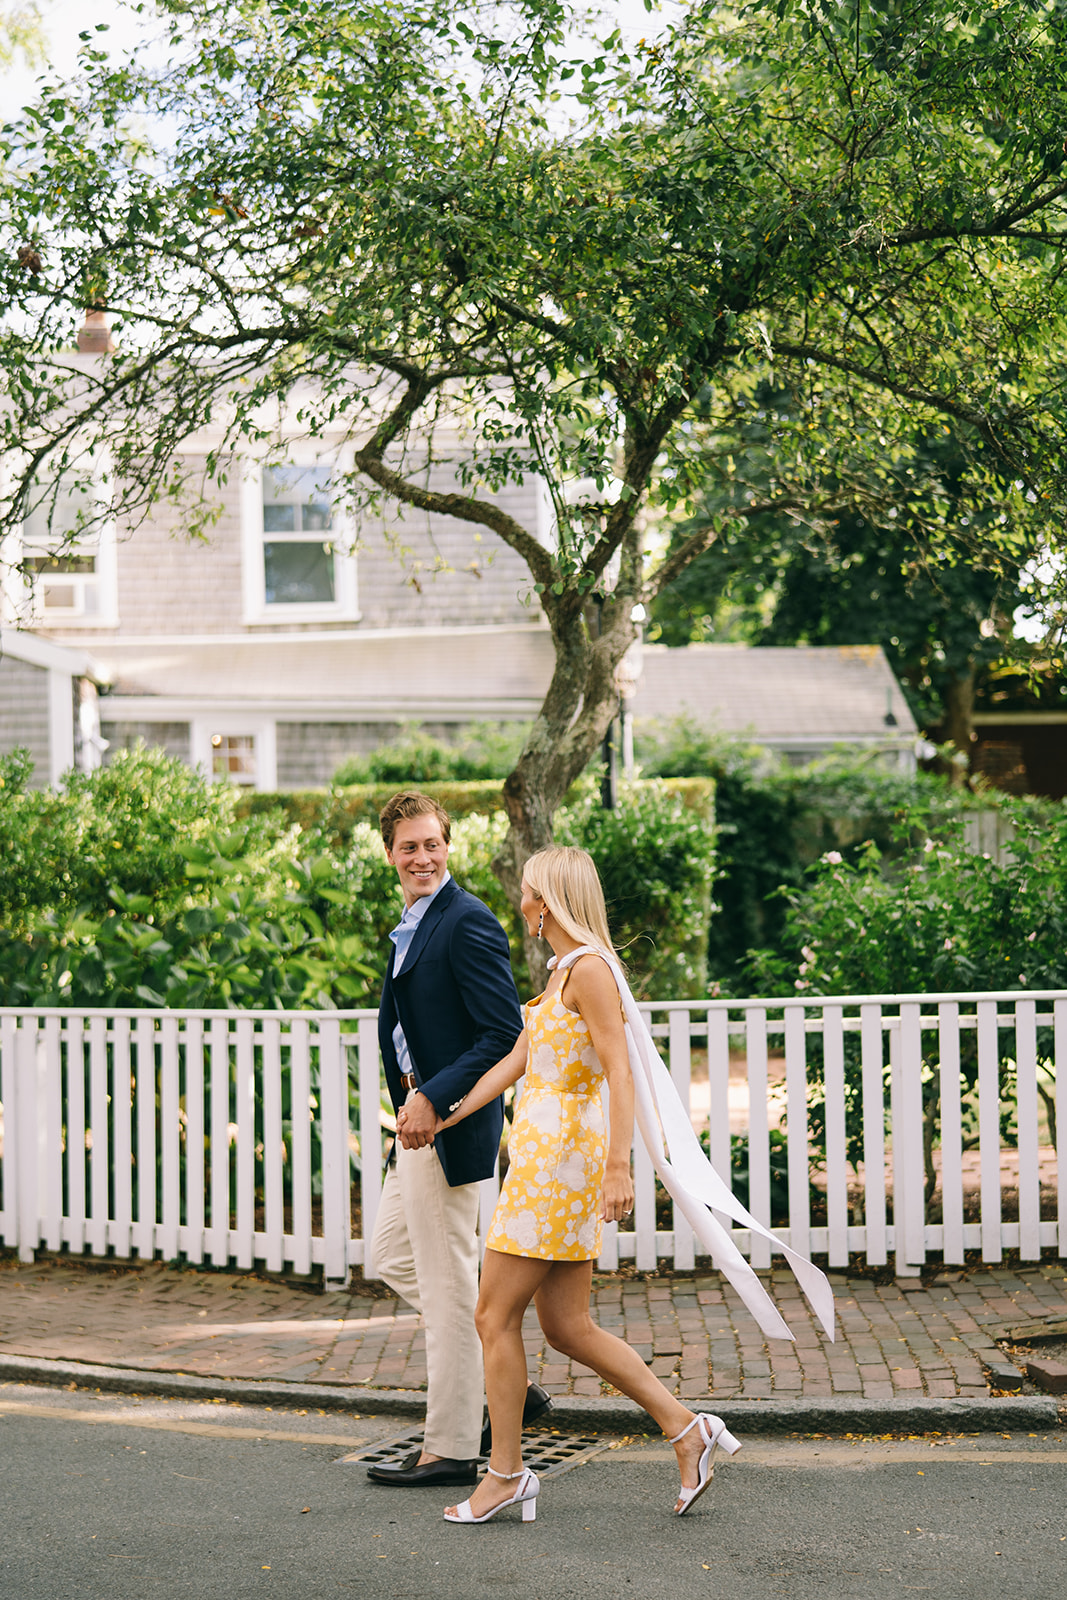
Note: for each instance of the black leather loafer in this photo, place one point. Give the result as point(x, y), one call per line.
point(535, 1405)
point(410, 1475)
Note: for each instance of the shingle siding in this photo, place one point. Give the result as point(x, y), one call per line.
point(411, 571)
point(24, 718)
point(173, 737)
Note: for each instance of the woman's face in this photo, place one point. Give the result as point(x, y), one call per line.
point(531, 906)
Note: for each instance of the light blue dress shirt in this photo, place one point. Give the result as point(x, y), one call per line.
point(402, 936)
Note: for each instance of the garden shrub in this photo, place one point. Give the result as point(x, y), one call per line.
point(655, 856)
point(938, 918)
point(483, 750)
point(144, 884)
point(774, 820)
point(136, 885)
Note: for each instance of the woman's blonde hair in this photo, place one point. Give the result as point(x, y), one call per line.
point(566, 879)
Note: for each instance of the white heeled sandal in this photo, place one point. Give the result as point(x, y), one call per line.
point(714, 1433)
point(525, 1496)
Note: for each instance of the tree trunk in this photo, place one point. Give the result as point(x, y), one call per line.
point(576, 713)
point(957, 723)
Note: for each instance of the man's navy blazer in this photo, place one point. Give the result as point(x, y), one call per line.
point(456, 1001)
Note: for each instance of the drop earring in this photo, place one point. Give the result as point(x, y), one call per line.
point(541, 924)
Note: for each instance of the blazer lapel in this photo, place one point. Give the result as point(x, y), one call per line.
point(426, 926)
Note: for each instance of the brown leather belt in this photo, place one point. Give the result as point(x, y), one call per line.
point(408, 1080)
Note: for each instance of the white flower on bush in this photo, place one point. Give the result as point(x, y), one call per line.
point(801, 983)
point(808, 953)
point(833, 858)
point(949, 944)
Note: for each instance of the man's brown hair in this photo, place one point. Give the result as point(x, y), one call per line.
point(405, 805)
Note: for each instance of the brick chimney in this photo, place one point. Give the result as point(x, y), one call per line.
point(94, 337)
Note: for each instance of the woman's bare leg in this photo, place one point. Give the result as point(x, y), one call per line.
point(508, 1285)
point(562, 1302)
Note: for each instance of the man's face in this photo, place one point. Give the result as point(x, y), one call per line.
point(420, 856)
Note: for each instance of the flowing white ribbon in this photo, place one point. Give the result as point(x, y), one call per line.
point(691, 1180)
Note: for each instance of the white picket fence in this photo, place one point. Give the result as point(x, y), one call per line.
point(234, 1137)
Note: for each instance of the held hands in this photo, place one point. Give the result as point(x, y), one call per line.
point(617, 1195)
point(417, 1123)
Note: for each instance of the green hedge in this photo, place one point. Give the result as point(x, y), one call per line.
point(143, 884)
point(334, 812)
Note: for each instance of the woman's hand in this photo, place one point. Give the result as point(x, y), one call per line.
point(617, 1194)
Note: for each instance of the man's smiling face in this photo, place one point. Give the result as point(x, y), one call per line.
point(420, 856)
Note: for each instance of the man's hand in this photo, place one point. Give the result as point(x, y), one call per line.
point(417, 1122)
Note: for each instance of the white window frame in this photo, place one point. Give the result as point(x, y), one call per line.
point(30, 605)
point(344, 607)
point(265, 744)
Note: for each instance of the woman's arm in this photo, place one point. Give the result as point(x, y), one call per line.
point(593, 993)
point(489, 1085)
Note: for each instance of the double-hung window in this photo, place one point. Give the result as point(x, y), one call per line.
point(297, 556)
point(68, 558)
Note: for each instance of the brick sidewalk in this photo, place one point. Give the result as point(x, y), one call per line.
point(896, 1339)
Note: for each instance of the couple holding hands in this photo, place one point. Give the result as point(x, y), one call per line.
point(453, 1039)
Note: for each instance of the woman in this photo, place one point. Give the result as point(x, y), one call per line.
point(566, 1178)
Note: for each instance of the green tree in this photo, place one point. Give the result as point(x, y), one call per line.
point(871, 579)
point(428, 225)
point(20, 30)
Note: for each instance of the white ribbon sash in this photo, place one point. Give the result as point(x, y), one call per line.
point(691, 1180)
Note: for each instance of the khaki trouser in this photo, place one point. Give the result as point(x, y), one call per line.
point(426, 1249)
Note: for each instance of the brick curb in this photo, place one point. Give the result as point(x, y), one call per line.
point(830, 1415)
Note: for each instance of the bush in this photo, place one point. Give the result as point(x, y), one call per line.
point(939, 918)
point(143, 884)
point(774, 820)
point(332, 815)
point(484, 750)
point(121, 827)
point(655, 856)
point(136, 885)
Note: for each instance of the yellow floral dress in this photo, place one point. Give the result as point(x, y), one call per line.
point(549, 1206)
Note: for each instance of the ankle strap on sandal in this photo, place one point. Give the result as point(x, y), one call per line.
point(506, 1476)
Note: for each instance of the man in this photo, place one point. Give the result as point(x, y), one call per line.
point(449, 1011)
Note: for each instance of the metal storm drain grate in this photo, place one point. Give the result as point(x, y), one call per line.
point(548, 1454)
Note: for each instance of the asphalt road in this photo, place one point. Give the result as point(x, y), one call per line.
point(111, 1498)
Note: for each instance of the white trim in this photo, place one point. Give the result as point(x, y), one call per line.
point(323, 636)
point(255, 610)
point(162, 708)
point(38, 652)
point(60, 722)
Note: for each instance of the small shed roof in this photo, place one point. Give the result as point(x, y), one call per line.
point(781, 694)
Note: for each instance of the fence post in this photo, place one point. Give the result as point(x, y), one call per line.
point(905, 1057)
point(370, 1138)
point(989, 1128)
point(9, 1099)
point(29, 1118)
point(336, 1197)
point(871, 1049)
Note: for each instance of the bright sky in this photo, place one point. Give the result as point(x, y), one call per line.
point(66, 19)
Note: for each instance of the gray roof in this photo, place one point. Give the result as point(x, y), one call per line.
point(428, 673)
point(778, 695)
point(782, 694)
